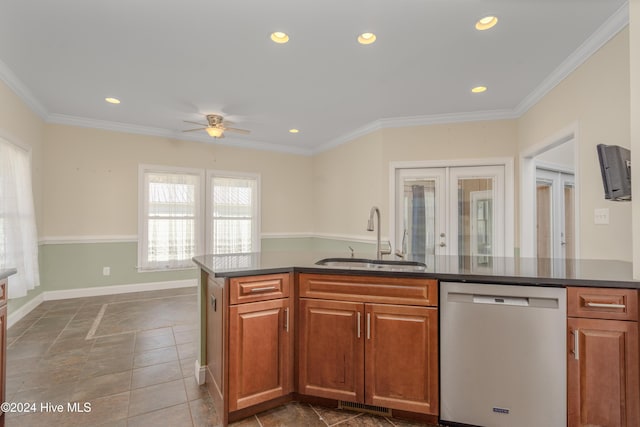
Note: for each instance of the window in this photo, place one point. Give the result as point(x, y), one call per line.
point(233, 219)
point(172, 206)
point(18, 235)
point(170, 211)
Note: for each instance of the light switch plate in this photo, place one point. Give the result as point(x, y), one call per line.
point(601, 216)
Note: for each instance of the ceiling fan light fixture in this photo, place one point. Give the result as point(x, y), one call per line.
point(279, 37)
point(214, 132)
point(366, 38)
point(486, 23)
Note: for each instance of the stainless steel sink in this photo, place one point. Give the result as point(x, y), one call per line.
point(372, 264)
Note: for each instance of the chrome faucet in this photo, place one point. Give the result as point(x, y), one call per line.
point(379, 251)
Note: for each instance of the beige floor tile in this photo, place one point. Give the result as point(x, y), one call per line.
point(156, 374)
point(195, 391)
point(174, 416)
point(203, 413)
point(105, 385)
point(148, 399)
point(292, 414)
point(103, 410)
point(154, 357)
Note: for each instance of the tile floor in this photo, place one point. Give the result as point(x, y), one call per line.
point(131, 358)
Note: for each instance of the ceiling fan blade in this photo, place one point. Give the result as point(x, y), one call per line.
point(195, 123)
point(236, 130)
point(193, 130)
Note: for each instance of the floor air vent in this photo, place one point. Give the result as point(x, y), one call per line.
point(361, 407)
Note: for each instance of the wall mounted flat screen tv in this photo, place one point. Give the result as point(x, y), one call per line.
point(615, 166)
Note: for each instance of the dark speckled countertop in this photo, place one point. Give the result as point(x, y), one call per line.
point(523, 271)
point(7, 272)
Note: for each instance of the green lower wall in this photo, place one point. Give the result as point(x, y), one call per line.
point(79, 265)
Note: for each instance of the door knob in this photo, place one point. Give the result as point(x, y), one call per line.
point(443, 244)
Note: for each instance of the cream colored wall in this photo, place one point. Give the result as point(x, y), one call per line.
point(21, 126)
point(91, 178)
point(596, 97)
point(351, 178)
point(634, 75)
point(454, 141)
point(347, 182)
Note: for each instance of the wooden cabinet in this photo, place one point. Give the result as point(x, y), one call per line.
point(260, 366)
point(249, 348)
point(602, 361)
point(369, 352)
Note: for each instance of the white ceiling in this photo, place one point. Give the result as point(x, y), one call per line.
point(170, 61)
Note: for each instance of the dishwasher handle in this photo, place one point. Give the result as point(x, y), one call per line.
point(501, 300)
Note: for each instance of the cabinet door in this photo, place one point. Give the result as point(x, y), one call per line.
point(402, 357)
point(260, 367)
point(331, 349)
point(603, 383)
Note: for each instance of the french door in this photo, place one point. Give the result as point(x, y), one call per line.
point(451, 211)
point(555, 214)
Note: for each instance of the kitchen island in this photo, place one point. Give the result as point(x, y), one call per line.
point(265, 317)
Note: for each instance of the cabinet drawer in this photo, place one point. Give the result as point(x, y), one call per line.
point(3, 292)
point(389, 290)
point(602, 303)
point(258, 288)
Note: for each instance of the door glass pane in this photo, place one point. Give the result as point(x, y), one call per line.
point(544, 221)
point(569, 225)
point(475, 222)
point(419, 219)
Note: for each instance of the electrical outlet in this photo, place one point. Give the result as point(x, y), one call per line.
point(601, 216)
point(106, 271)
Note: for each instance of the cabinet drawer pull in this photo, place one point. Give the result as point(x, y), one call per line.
point(604, 305)
point(286, 319)
point(264, 289)
point(368, 326)
point(576, 344)
point(358, 325)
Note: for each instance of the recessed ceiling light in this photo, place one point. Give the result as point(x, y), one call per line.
point(479, 89)
point(293, 131)
point(279, 37)
point(366, 38)
point(486, 23)
point(112, 100)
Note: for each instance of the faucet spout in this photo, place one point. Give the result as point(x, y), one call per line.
point(375, 211)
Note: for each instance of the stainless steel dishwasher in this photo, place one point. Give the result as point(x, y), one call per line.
point(503, 355)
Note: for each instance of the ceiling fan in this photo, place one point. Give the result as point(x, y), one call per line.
point(216, 126)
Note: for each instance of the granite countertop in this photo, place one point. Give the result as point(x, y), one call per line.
point(499, 270)
point(7, 272)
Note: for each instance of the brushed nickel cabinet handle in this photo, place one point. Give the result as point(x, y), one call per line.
point(358, 325)
point(286, 319)
point(265, 289)
point(576, 344)
point(368, 326)
point(604, 305)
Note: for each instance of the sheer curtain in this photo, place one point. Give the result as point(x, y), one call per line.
point(18, 235)
point(172, 215)
point(234, 215)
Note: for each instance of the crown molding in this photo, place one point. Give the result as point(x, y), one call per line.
point(433, 119)
point(350, 136)
point(165, 133)
point(612, 26)
point(16, 85)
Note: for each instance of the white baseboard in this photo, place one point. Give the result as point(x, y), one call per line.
point(200, 373)
point(18, 314)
